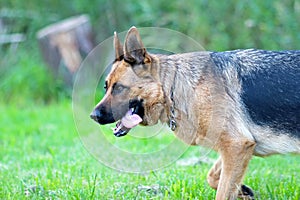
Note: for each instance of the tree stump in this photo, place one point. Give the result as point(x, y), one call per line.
point(65, 44)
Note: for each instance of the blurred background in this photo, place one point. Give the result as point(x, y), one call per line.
point(217, 25)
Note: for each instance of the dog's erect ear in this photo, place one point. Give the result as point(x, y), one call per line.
point(134, 50)
point(118, 47)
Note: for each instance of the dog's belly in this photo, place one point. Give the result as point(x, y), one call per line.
point(272, 98)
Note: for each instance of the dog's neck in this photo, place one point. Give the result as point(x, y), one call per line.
point(179, 74)
point(167, 75)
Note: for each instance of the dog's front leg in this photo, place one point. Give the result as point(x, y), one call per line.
point(213, 179)
point(235, 155)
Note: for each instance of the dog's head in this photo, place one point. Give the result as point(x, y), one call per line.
point(133, 92)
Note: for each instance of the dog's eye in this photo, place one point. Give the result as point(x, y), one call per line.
point(118, 88)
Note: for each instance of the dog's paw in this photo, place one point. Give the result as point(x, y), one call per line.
point(246, 193)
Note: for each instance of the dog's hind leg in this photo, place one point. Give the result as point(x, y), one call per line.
point(213, 176)
point(213, 179)
point(230, 169)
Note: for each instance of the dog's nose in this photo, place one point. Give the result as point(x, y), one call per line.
point(95, 115)
point(101, 115)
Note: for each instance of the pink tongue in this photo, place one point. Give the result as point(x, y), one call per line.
point(131, 120)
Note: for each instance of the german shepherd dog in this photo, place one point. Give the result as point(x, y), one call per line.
point(239, 103)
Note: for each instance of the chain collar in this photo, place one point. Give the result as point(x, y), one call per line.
point(172, 121)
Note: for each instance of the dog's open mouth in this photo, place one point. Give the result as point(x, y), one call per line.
point(131, 119)
point(127, 122)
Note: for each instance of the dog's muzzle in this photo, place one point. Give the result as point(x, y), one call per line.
point(129, 120)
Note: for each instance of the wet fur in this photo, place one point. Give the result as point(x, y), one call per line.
point(210, 100)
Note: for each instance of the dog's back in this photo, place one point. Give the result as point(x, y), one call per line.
point(270, 85)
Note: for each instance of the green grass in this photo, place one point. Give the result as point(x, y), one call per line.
point(42, 157)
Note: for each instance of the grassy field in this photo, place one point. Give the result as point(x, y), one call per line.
point(42, 157)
